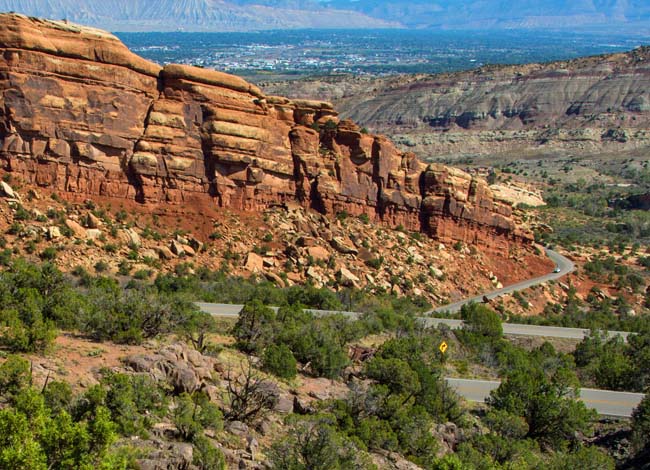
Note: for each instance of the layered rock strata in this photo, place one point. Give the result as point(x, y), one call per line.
point(589, 104)
point(84, 116)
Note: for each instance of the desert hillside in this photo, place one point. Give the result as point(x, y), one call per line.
point(583, 105)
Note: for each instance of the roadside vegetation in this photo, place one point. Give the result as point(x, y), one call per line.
point(397, 399)
point(53, 428)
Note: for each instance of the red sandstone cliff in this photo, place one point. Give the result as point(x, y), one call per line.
point(82, 114)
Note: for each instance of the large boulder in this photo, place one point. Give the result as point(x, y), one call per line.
point(77, 230)
point(7, 191)
point(184, 369)
point(254, 263)
point(163, 455)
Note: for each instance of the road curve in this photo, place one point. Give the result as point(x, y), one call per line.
point(620, 404)
point(605, 402)
point(564, 264)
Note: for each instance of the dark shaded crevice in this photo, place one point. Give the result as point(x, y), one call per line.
point(209, 164)
point(7, 127)
point(424, 219)
point(299, 179)
point(316, 201)
point(380, 207)
point(446, 207)
point(5, 124)
point(133, 178)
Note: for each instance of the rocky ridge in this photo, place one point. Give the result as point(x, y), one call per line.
point(286, 245)
point(84, 116)
point(588, 104)
point(242, 15)
point(490, 14)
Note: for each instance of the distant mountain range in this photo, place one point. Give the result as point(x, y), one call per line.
point(486, 14)
point(195, 15)
point(246, 15)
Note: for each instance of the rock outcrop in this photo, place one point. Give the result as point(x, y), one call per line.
point(84, 116)
point(184, 369)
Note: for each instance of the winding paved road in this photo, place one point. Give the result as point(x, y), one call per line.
point(565, 266)
point(605, 402)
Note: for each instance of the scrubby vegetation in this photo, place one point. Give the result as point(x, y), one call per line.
point(595, 312)
point(533, 419)
point(614, 364)
point(398, 400)
point(35, 300)
point(407, 395)
point(52, 428)
point(587, 214)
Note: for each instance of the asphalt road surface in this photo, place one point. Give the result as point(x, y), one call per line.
point(232, 311)
point(564, 265)
point(603, 401)
point(620, 404)
point(528, 330)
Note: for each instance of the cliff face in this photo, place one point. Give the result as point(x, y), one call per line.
point(584, 104)
point(82, 115)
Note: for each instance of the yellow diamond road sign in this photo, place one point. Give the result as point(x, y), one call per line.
point(443, 347)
